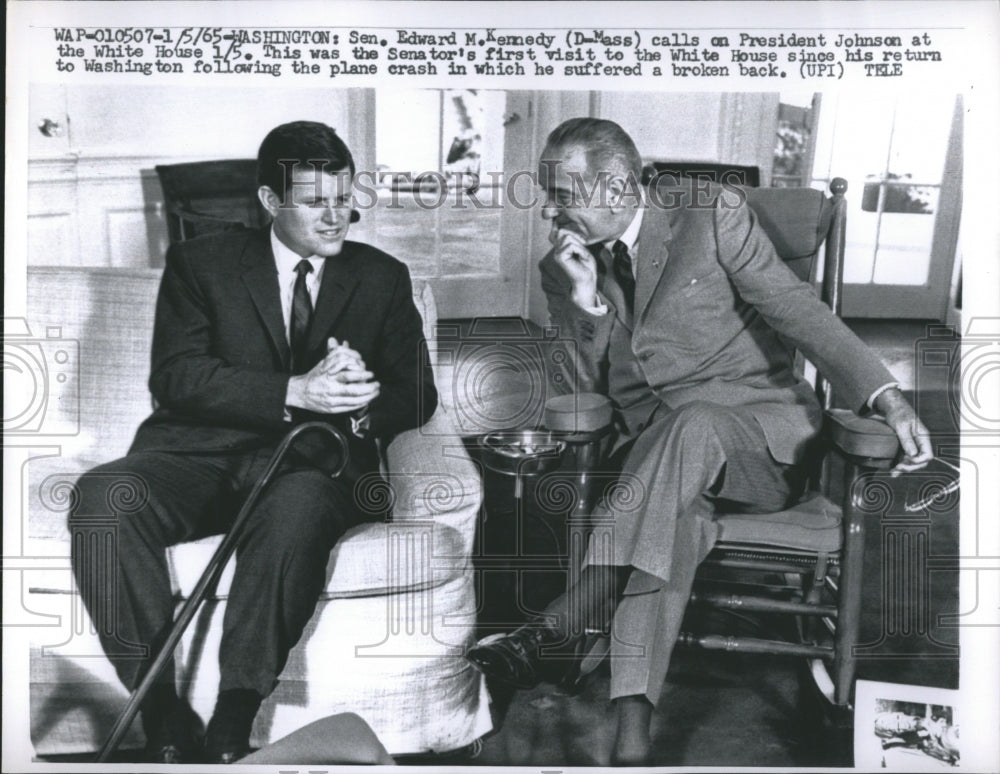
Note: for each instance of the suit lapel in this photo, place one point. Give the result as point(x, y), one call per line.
point(340, 277)
point(260, 276)
point(651, 262)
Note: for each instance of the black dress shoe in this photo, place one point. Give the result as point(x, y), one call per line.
point(229, 756)
point(228, 736)
point(173, 735)
point(514, 658)
point(225, 743)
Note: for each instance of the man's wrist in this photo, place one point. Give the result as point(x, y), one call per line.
point(589, 301)
point(885, 393)
point(295, 393)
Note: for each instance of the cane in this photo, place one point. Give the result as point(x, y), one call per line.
point(209, 578)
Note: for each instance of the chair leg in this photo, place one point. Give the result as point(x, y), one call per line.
point(849, 601)
point(812, 585)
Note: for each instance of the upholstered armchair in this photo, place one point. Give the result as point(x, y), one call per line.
point(387, 638)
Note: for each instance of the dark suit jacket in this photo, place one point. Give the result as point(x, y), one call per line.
point(220, 352)
point(717, 314)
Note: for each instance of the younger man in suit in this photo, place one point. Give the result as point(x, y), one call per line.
point(677, 302)
point(256, 331)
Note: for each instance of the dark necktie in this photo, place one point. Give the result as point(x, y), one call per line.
point(621, 265)
point(302, 310)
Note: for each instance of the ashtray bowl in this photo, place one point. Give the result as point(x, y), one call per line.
point(521, 452)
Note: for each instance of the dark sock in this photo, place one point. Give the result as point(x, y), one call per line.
point(238, 703)
point(591, 602)
point(632, 738)
point(160, 695)
point(158, 704)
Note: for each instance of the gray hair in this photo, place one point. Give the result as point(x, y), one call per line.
point(605, 144)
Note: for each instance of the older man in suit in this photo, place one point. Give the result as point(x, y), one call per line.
point(256, 331)
point(683, 314)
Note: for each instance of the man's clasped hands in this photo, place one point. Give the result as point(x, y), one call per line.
point(339, 383)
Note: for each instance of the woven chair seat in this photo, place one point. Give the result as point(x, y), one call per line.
point(811, 525)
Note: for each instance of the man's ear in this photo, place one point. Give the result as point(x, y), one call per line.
point(616, 193)
point(269, 199)
point(623, 192)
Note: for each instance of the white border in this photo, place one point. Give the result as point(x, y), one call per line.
point(973, 68)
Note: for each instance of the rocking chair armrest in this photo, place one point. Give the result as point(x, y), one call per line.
point(869, 438)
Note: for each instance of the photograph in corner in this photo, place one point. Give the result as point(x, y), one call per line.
point(435, 617)
point(906, 728)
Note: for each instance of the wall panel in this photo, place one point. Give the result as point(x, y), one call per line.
point(93, 195)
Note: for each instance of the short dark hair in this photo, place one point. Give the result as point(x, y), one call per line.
point(302, 142)
point(605, 144)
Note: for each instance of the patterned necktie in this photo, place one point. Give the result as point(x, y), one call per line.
point(302, 311)
point(621, 265)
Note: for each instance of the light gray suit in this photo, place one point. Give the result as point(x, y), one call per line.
point(702, 378)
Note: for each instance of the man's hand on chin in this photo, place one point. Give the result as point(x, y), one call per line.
point(912, 433)
point(571, 253)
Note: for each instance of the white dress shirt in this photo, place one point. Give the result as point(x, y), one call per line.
point(286, 260)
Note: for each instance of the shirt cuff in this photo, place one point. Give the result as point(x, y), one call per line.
point(599, 309)
point(879, 391)
point(361, 422)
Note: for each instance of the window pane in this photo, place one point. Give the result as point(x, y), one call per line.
point(407, 232)
point(902, 266)
point(859, 247)
point(893, 198)
point(861, 128)
point(470, 237)
point(904, 245)
point(920, 139)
